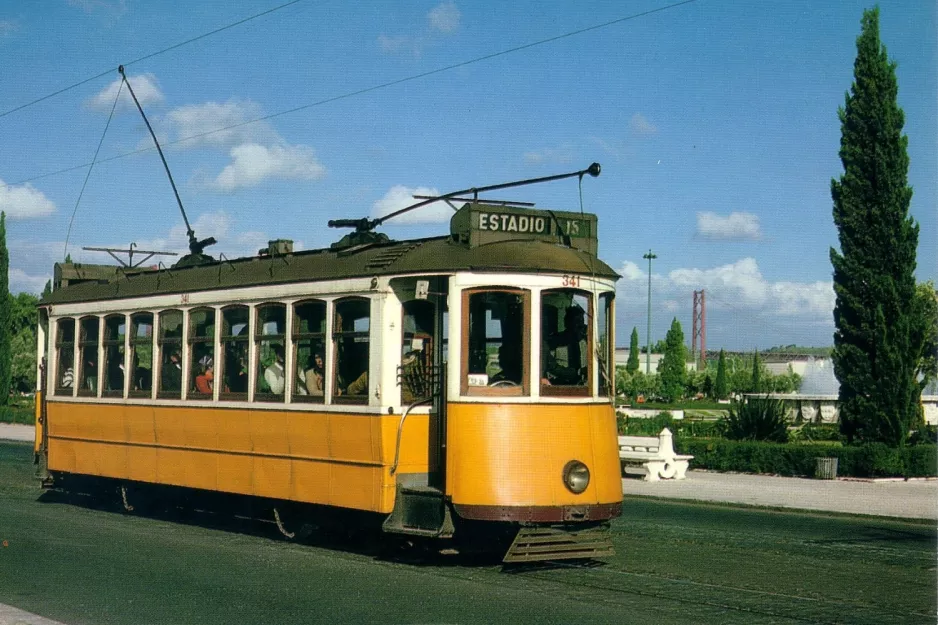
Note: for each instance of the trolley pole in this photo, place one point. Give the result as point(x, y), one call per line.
point(649, 256)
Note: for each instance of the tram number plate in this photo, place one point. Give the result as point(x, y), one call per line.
point(571, 281)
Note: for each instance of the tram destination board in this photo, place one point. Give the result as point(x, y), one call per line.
point(481, 224)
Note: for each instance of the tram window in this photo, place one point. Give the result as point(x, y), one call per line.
point(234, 353)
point(269, 339)
point(115, 328)
point(309, 351)
point(88, 356)
point(565, 342)
point(201, 353)
point(417, 350)
point(604, 346)
point(495, 347)
point(351, 335)
point(170, 345)
point(141, 354)
point(65, 350)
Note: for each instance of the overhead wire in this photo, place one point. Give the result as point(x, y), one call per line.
point(372, 88)
point(149, 56)
point(88, 175)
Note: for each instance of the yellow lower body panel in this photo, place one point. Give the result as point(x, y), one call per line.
point(513, 455)
point(337, 459)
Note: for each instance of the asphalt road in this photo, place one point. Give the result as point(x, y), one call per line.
point(80, 562)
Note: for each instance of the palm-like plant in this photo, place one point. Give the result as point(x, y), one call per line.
point(758, 419)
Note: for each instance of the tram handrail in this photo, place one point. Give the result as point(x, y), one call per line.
point(400, 431)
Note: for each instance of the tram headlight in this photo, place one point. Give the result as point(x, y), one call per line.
point(576, 476)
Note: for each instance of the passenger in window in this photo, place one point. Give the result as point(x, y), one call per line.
point(566, 351)
point(206, 379)
point(172, 373)
point(273, 374)
point(68, 378)
point(315, 375)
point(91, 375)
point(358, 387)
point(509, 359)
point(115, 371)
point(144, 379)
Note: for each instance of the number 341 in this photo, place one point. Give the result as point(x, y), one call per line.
point(571, 281)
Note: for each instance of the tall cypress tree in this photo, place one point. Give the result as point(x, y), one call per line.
point(720, 387)
point(632, 364)
point(672, 369)
point(875, 348)
point(6, 308)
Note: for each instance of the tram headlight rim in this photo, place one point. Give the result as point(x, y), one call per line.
point(576, 476)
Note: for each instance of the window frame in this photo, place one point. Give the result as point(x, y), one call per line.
point(224, 339)
point(565, 390)
point(192, 341)
point(107, 342)
point(58, 389)
point(523, 389)
point(606, 388)
point(134, 342)
point(297, 337)
point(83, 344)
point(337, 335)
point(258, 337)
point(163, 344)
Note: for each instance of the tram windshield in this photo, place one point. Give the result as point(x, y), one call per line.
point(496, 351)
point(565, 340)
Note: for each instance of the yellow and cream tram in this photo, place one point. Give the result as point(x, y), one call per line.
point(444, 386)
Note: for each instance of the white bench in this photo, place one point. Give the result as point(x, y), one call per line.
point(656, 454)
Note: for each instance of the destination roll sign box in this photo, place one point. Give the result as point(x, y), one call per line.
point(478, 224)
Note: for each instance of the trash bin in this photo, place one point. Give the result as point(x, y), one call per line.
point(826, 468)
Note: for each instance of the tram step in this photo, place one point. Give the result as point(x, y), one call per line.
point(534, 544)
point(419, 510)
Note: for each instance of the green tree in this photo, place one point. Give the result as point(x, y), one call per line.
point(24, 315)
point(632, 365)
point(926, 298)
point(672, 368)
point(5, 310)
point(720, 386)
point(755, 386)
point(47, 290)
point(875, 351)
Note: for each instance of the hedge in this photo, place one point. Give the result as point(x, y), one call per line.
point(870, 460)
point(17, 414)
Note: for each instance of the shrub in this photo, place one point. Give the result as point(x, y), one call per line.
point(758, 419)
point(816, 432)
point(17, 414)
point(870, 460)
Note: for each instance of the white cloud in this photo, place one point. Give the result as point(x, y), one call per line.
point(562, 154)
point(736, 226)
point(444, 17)
point(399, 44)
point(24, 201)
point(145, 88)
point(739, 286)
point(399, 197)
point(639, 125)
point(22, 282)
point(205, 121)
point(253, 163)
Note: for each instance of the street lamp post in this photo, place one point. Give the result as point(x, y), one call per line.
point(649, 256)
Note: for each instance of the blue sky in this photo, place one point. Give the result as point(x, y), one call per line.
point(715, 122)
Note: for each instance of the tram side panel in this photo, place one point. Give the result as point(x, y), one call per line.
point(338, 459)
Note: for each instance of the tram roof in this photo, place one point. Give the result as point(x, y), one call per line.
point(410, 257)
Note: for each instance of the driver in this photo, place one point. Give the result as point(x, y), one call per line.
point(509, 359)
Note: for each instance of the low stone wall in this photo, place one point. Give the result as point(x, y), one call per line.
point(824, 409)
point(647, 413)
